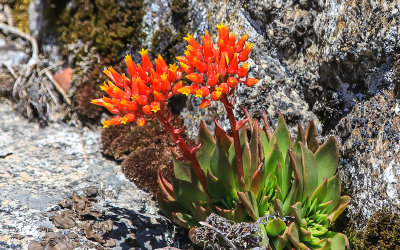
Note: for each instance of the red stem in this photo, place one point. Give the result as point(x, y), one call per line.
point(236, 140)
point(185, 150)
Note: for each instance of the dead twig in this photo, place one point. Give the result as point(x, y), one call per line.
point(12, 72)
point(231, 245)
point(7, 12)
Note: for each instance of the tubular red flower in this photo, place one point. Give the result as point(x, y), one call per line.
point(128, 117)
point(141, 122)
point(195, 78)
point(204, 104)
point(130, 64)
point(239, 45)
point(244, 55)
point(250, 82)
point(232, 82)
point(116, 120)
point(242, 71)
point(146, 63)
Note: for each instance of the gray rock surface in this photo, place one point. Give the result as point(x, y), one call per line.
point(40, 167)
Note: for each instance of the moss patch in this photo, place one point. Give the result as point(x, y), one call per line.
point(382, 232)
point(112, 26)
point(20, 14)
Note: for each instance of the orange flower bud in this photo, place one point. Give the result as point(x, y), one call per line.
point(184, 90)
point(205, 91)
point(165, 85)
point(242, 71)
point(213, 81)
point(147, 110)
point(199, 65)
point(239, 45)
point(182, 59)
point(204, 104)
point(188, 69)
point(222, 65)
point(141, 121)
point(192, 41)
point(223, 88)
point(250, 82)
point(156, 85)
point(223, 32)
point(172, 72)
point(130, 64)
point(129, 105)
point(155, 106)
point(143, 88)
point(141, 99)
point(159, 96)
point(207, 44)
point(232, 82)
point(142, 74)
point(244, 55)
point(195, 78)
point(233, 65)
point(128, 117)
point(193, 89)
point(116, 120)
point(176, 87)
point(146, 63)
point(161, 66)
point(115, 76)
point(216, 95)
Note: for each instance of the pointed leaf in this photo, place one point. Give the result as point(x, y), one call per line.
point(255, 155)
point(221, 168)
point(246, 157)
point(333, 192)
point(221, 136)
point(338, 241)
point(293, 235)
point(184, 220)
point(310, 171)
point(186, 193)
point(300, 138)
point(275, 227)
point(267, 128)
point(249, 201)
point(218, 189)
point(320, 192)
point(256, 180)
point(208, 143)
point(282, 135)
point(340, 207)
point(182, 170)
point(327, 158)
point(165, 186)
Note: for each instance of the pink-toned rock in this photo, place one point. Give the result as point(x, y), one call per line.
point(64, 78)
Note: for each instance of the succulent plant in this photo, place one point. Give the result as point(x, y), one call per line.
point(295, 185)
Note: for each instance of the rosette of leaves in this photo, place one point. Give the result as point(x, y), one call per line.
point(295, 185)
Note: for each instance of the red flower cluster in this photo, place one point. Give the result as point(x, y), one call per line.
point(215, 70)
point(143, 93)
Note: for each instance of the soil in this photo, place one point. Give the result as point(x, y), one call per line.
point(142, 150)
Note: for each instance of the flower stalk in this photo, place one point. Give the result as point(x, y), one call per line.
point(236, 140)
point(188, 153)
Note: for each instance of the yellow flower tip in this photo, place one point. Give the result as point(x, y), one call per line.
point(199, 93)
point(164, 76)
point(188, 36)
point(187, 52)
point(124, 102)
point(105, 124)
point(128, 56)
point(220, 26)
point(143, 52)
point(124, 120)
point(184, 90)
point(245, 65)
point(173, 67)
point(155, 109)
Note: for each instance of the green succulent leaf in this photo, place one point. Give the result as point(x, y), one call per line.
point(310, 171)
point(222, 137)
point(275, 227)
point(255, 155)
point(221, 168)
point(333, 192)
point(182, 170)
point(249, 201)
point(282, 135)
point(300, 138)
point(327, 158)
point(184, 220)
point(246, 156)
point(293, 235)
point(340, 207)
point(337, 240)
point(203, 155)
point(186, 193)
